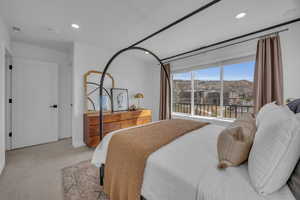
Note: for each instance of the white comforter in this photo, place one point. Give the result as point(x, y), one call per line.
point(186, 170)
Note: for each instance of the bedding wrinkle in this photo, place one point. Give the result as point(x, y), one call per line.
point(186, 169)
point(128, 153)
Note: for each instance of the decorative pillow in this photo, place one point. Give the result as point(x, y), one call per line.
point(294, 181)
point(298, 116)
point(275, 151)
point(294, 105)
point(234, 143)
point(264, 111)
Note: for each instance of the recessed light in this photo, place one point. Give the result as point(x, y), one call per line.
point(75, 26)
point(146, 52)
point(241, 15)
point(16, 29)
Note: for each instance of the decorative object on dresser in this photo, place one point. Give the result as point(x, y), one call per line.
point(91, 91)
point(132, 107)
point(112, 121)
point(120, 101)
point(139, 96)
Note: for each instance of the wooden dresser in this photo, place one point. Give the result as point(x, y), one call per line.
point(112, 122)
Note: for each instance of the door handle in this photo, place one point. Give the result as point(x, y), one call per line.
point(53, 106)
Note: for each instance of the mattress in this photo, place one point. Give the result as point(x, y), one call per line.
point(186, 169)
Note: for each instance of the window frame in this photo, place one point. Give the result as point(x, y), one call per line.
point(221, 65)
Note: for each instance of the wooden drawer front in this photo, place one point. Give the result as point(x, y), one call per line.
point(112, 122)
point(93, 130)
point(93, 120)
point(136, 114)
point(113, 126)
point(93, 141)
point(144, 120)
point(135, 122)
point(126, 115)
point(108, 127)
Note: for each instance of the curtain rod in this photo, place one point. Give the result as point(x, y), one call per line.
point(177, 21)
point(228, 45)
point(231, 39)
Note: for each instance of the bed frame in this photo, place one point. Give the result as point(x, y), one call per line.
point(134, 47)
point(176, 57)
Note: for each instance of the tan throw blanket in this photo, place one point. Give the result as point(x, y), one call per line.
point(128, 152)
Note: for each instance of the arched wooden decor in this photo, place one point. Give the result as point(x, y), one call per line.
point(105, 72)
point(91, 86)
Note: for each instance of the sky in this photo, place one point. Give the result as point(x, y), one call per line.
point(241, 71)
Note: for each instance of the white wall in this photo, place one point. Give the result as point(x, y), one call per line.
point(127, 71)
point(4, 45)
point(64, 61)
point(290, 42)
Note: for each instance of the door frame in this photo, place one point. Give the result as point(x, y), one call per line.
point(57, 100)
point(8, 96)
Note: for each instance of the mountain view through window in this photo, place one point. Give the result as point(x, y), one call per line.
point(221, 91)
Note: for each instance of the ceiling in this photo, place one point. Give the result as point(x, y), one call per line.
point(115, 24)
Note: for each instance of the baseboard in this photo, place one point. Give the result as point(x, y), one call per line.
point(77, 144)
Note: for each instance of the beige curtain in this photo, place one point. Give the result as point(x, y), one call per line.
point(268, 78)
point(165, 99)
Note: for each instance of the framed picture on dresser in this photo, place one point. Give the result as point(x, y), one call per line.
point(120, 99)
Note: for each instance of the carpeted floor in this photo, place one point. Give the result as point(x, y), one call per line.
point(35, 173)
point(81, 181)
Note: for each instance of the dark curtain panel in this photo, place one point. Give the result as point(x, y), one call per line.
point(268, 78)
point(165, 98)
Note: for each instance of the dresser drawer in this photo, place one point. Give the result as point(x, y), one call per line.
point(113, 126)
point(108, 127)
point(121, 116)
point(93, 120)
point(112, 122)
point(136, 115)
point(135, 122)
point(93, 141)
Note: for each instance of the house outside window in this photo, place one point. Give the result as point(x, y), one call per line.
point(220, 91)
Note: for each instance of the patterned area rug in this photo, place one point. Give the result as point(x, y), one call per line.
point(81, 182)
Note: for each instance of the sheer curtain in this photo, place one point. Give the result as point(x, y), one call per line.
point(268, 78)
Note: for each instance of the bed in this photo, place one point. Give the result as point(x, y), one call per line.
point(186, 169)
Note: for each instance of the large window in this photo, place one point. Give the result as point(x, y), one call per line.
point(223, 91)
point(181, 94)
point(238, 89)
point(207, 91)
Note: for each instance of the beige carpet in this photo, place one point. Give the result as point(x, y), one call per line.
point(81, 181)
point(35, 173)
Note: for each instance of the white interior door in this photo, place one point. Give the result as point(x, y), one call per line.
point(34, 92)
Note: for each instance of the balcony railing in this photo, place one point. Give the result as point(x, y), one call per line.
point(211, 110)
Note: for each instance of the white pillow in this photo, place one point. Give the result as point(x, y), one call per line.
point(275, 151)
point(264, 111)
point(298, 116)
